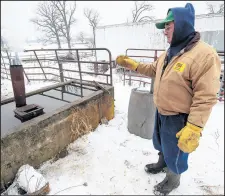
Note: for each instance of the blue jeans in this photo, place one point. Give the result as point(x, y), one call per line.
point(165, 141)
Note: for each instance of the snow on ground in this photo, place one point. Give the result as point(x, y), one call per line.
point(110, 160)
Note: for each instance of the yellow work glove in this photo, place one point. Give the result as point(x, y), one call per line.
point(127, 62)
point(189, 138)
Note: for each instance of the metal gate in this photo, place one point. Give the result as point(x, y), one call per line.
point(131, 75)
point(52, 65)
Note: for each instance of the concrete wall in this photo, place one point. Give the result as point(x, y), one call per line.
point(42, 138)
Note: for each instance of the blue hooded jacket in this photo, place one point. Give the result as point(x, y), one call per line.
point(184, 31)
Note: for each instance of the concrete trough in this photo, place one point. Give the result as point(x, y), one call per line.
point(44, 137)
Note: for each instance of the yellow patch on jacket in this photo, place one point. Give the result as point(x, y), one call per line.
point(179, 67)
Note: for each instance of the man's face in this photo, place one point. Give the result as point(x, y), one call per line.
point(169, 29)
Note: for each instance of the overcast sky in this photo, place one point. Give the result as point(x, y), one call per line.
point(16, 15)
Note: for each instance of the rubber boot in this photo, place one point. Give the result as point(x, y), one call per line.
point(170, 182)
point(155, 168)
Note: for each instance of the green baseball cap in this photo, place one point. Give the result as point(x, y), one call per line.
point(169, 18)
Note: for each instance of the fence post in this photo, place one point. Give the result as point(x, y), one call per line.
point(78, 62)
point(129, 77)
point(60, 71)
point(60, 68)
point(40, 64)
point(110, 67)
point(96, 68)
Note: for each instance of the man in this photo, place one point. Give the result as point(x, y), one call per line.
point(185, 90)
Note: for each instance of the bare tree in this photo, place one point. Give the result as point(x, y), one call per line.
point(81, 37)
point(48, 21)
point(67, 19)
point(139, 13)
point(221, 9)
point(3, 40)
point(90, 43)
point(212, 10)
point(93, 18)
point(4, 44)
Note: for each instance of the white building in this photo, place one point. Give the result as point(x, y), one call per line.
point(117, 38)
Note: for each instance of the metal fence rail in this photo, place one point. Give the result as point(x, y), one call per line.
point(5, 62)
point(55, 65)
point(39, 65)
point(131, 75)
point(6, 59)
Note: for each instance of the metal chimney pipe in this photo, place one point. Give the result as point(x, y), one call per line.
point(17, 78)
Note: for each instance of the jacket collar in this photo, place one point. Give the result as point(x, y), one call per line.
point(191, 44)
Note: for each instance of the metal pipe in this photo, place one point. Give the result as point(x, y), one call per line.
point(42, 73)
point(144, 49)
point(139, 81)
point(60, 71)
point(55, 97)
point(62, 49)
point(40, 65)
point(16, 72)
point(69, 61)
point(110, 66)
point(79, 72)
point(86, 72)
point(151, 57)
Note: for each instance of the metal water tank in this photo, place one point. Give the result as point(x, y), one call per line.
point(141, 113)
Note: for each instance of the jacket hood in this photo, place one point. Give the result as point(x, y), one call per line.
point(184, 21)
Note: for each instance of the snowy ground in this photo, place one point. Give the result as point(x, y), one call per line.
point(110, 160)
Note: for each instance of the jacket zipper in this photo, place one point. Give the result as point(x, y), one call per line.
point(171, 61)
point(173, 58)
